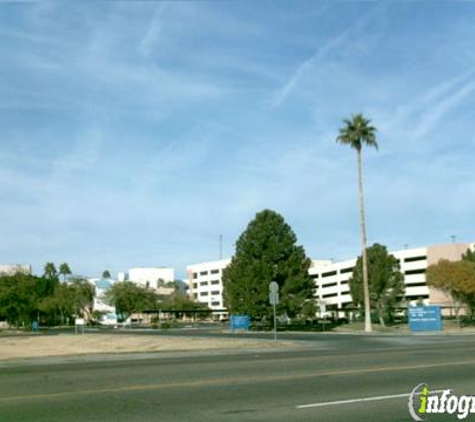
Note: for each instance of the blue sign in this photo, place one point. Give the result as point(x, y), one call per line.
point(425, 318)
point(240, 322)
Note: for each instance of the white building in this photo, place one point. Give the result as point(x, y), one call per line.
point(101, 286)
point(331, 278)
point(205, 283)
point(15, 268)
point(151, 276)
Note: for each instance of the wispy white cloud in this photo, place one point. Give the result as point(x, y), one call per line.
point(282, 94)
point(145, 131)
point(329, 46)
point(149, 40)
point(423, 110)
point(431, 117)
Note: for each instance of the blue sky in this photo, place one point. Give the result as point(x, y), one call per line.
point(134, 134)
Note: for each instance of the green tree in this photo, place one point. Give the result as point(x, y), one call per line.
point(106, 274)
point(64, 270)
point(309, 309)
point(83, 296)
point(357, 132)
point(72, 299)
point(266, 251)
point(22, 295)
point(128, 298)
point(178, 301)
point(386, 282)
point(469, 255)
point(456, 278)
point(50, 271)
point(19, 296)
point(61, 302)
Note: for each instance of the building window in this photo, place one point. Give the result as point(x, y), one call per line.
point(214, 281)
point(329, 274)
point(204, 283)
point(204, 294)
point(195, 295)
point(415, 285)
point(195, 275)
point(204, 273)
point(329, 295)
point(214, 271)
point(415, 258)
point(195, 285)
point(346, 270)
point(215, 292)
point(330, 284)
point(412, 272)
point(313, 276)
point(417, 297)
point(214, 303)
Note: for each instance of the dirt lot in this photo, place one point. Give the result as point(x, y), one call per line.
point(70, 344)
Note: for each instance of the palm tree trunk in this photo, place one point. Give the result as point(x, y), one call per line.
point(367, 308)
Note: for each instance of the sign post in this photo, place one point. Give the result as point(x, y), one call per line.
point(274, 300)
point(80, 322)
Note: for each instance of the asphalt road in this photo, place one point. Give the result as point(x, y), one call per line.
point(267, 386)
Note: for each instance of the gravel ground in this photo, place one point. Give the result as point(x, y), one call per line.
point(70, 344)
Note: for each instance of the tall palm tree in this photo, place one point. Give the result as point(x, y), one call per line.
point(64, 270)
point(357, 132)
point(50, 271)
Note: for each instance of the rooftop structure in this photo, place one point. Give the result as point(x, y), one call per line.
point(15, 268)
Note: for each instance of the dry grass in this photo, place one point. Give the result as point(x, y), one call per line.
point(70, 344)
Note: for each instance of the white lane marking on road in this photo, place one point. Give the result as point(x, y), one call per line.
point(375, 398)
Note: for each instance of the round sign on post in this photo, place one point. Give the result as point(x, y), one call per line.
point(273, 287)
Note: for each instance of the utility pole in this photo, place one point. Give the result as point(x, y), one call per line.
point(220, 246)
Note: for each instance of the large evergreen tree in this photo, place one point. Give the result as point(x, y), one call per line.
point(266, 251)
point(386, 282)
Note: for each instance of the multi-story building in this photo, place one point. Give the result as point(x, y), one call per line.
point(333, 290)
point(205, 284)
point(331, 278)
point(151, 276)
